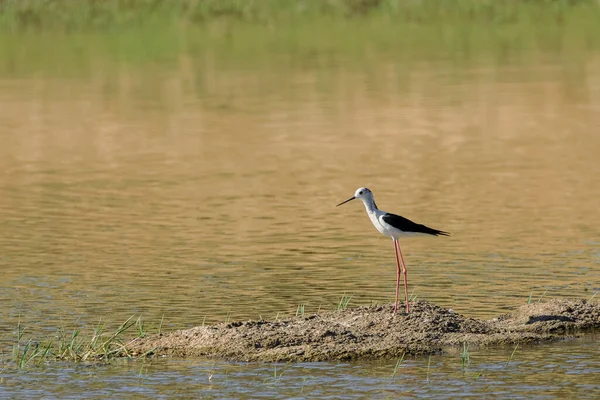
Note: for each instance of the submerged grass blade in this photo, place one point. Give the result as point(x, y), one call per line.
point(398, 363)
point(465, 357)
point(19, 329)
point(512, 354)
point(428, 367)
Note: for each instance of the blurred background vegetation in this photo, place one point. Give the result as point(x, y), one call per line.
point(52, 34)
point(70, 15)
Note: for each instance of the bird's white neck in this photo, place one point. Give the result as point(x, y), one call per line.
point(370, 205)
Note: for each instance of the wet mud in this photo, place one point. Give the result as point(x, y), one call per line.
point(373, 332)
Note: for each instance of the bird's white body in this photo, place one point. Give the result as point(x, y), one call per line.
point(376, 217)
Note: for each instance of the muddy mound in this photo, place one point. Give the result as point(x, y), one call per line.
point(371, 332)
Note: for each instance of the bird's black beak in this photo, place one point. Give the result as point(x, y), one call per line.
point(344, 202)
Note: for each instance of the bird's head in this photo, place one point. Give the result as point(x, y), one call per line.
point(362, 193)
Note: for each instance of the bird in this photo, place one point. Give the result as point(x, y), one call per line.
point(394, 226)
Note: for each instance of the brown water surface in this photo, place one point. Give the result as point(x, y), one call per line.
point(201, 191)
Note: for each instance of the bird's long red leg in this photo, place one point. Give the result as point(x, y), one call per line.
point(405, 277)
point(397, 274)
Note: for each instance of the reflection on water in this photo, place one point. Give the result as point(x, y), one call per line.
point(562, 370)
point(152, 197)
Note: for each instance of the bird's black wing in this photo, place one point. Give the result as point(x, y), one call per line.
point(406, 225)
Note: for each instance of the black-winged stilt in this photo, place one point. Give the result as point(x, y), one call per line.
point(394, 226)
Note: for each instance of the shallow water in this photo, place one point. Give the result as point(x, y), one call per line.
point(203, 193)
point(567, 369)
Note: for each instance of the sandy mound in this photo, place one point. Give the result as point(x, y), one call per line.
point(372, 332)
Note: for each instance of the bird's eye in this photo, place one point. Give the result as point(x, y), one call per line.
point(360, 192)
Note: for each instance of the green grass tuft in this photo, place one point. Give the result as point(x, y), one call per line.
point(73, 346)
point(413, 296)
point(539, 300)
point(344, 302)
